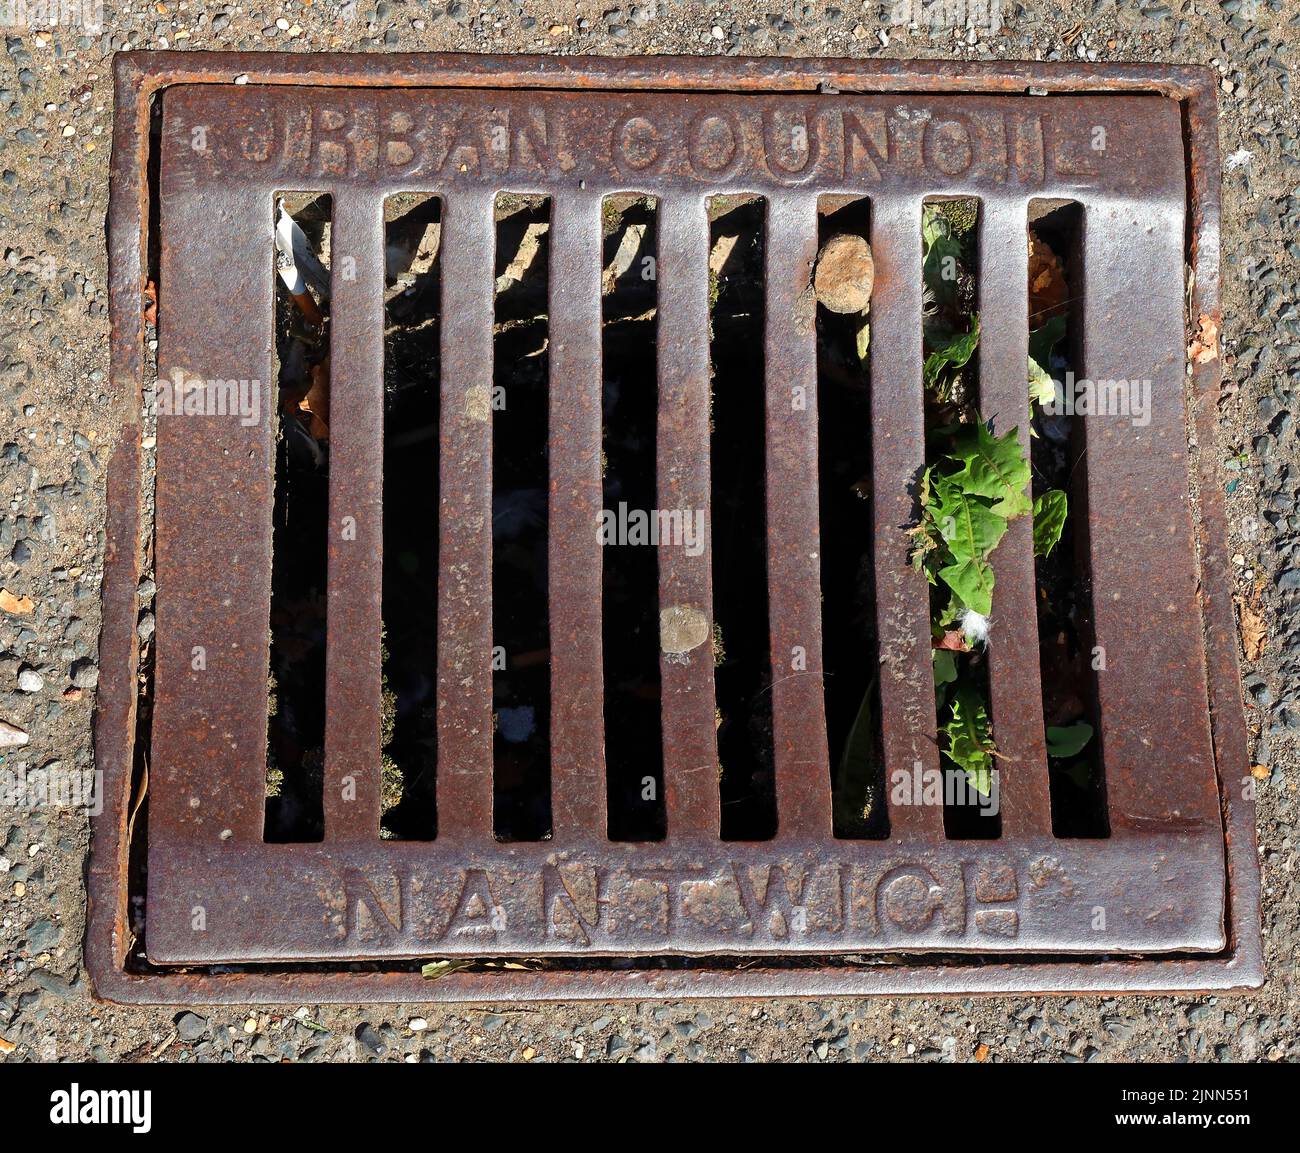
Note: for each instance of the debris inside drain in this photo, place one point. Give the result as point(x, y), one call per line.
point(849, 633)
point(519, 413)
point(1068, 657)
point(738, 243)
point(630, 575)
point(296, 726)
point(845, 273)
point(412, 376)
point(973, 488)
point(975, 484)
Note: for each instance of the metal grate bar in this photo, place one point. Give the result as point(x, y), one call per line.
point(1015, 690)
point(577, 681)
point(353, 686)
point(685, 588)
point(1155, 736)
point(803, 794)
point(465, 520)
point(210, 714)
point(897, 459)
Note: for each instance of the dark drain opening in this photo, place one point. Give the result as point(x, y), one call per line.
point(630, 575)
point(737, 529)
point(296, 683)
point(850, 651)
point(412, 371)
point(959, 628)
point(1069, 659)
point(521, 657)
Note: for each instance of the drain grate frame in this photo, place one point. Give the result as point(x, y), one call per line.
point(119, 975)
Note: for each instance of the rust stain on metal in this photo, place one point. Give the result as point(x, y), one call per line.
point(360, 127)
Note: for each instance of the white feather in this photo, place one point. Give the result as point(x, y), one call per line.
point(975, 627)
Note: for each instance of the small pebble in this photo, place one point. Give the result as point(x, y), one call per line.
point(30, 681)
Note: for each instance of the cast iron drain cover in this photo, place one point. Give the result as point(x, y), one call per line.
point(233, 917)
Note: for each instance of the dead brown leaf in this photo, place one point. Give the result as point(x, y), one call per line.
point(1048, 291)
point(15, 605)
point(954, 641)
point(151, 303)
point(316, 404)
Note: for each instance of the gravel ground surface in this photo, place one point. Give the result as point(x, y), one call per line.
point(55, 126)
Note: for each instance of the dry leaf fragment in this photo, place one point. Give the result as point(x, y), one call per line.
point(1254, 633)
point(316, 404)
point(435, 969)
point(1205, 344)
point(1048, 291)
point(1260, 772)
point(954, 641)
point(15, 605)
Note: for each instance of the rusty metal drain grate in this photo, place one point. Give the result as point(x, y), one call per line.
point(1168, 900)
